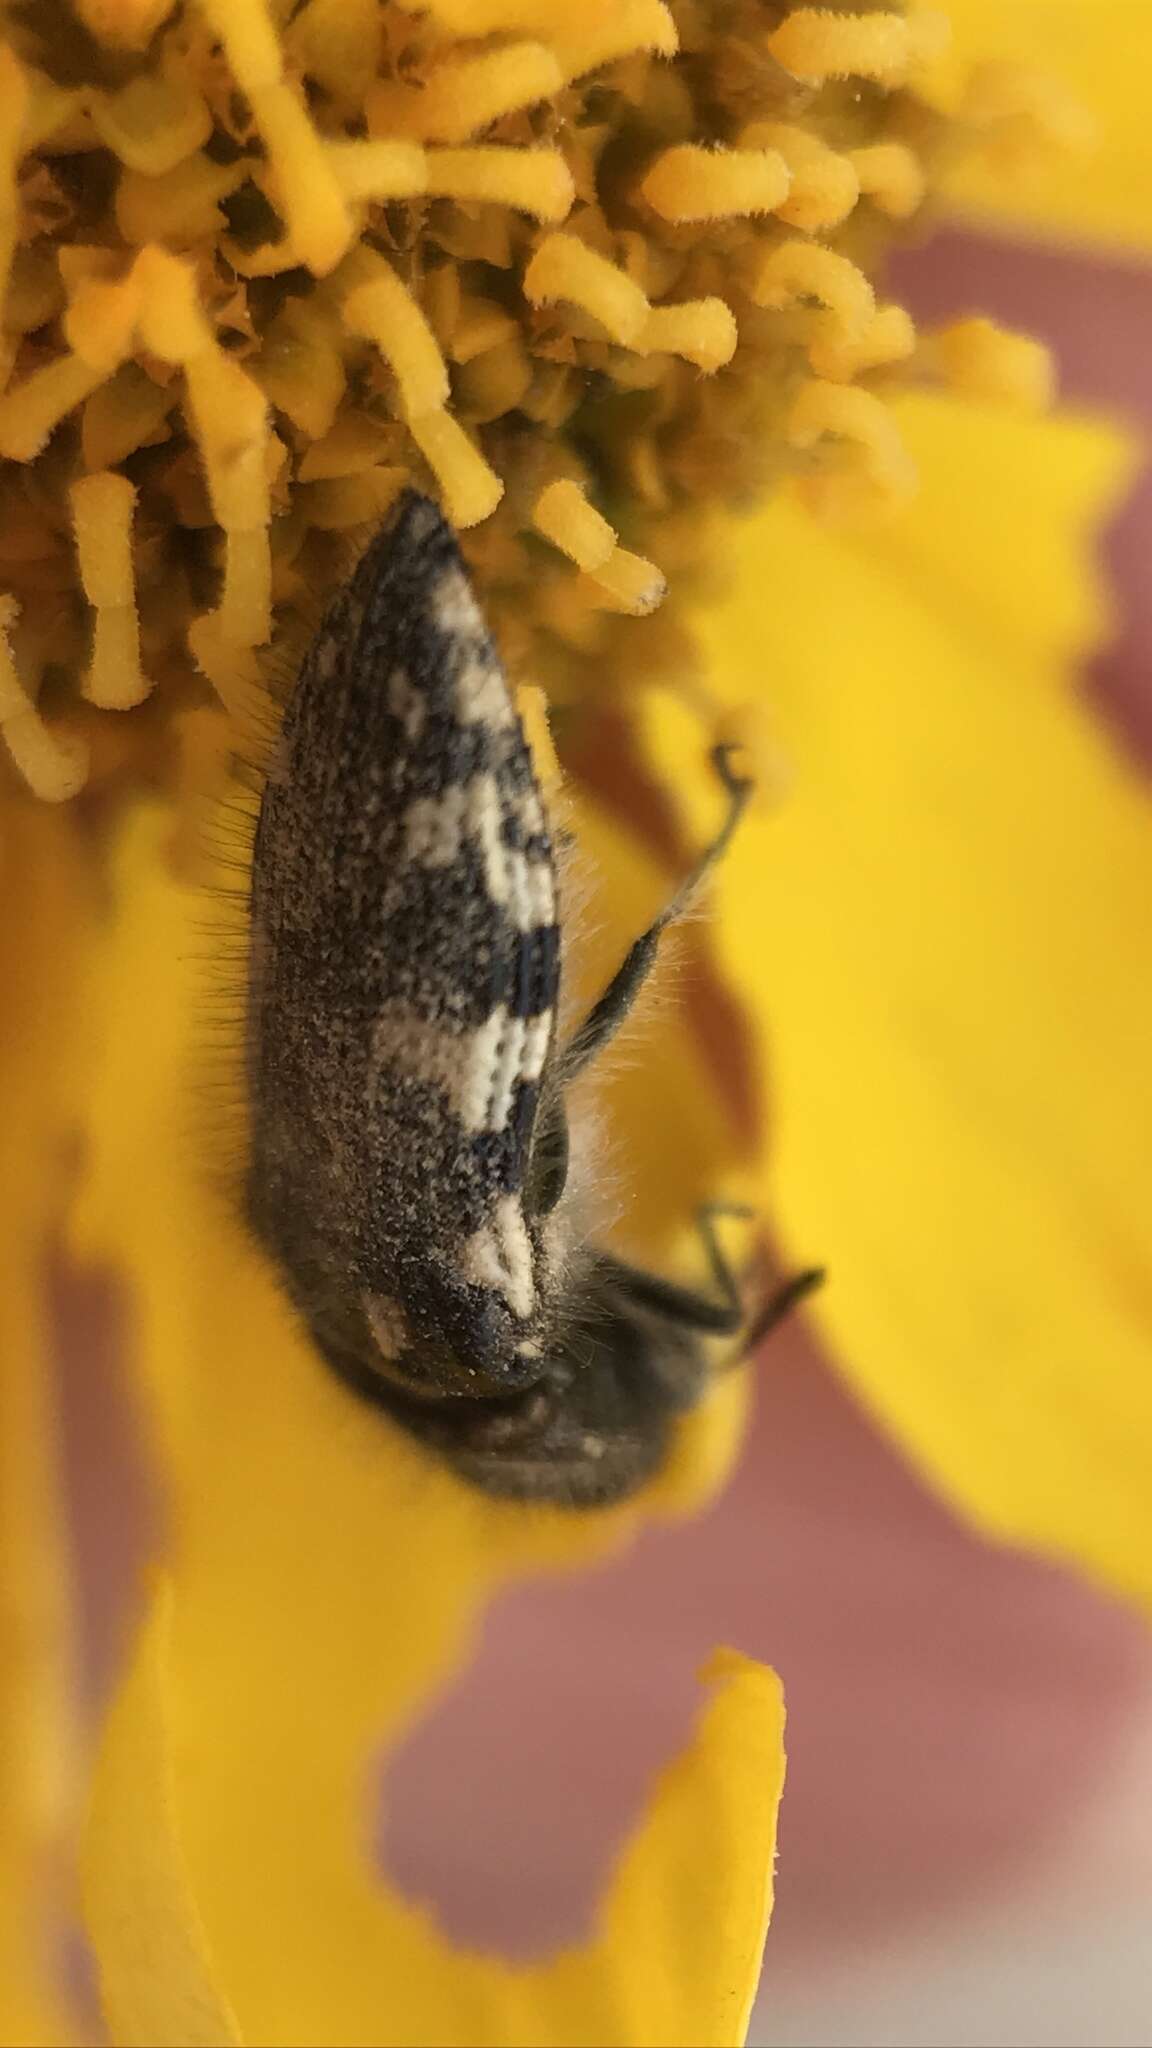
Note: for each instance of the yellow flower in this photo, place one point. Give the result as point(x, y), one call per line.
point(254, 280)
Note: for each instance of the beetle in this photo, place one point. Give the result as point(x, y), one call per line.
point(409, 1165)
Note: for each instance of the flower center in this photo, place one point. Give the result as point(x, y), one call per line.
point(586, 273)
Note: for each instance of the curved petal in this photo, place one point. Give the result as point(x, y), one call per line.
point(943, 932)
point(1098, 53)
point(326, 1579)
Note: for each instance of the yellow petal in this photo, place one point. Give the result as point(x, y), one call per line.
point(327, 1579)
point(1096, 53)
point(944, 934)
point(42, 877)
point(158, 1980)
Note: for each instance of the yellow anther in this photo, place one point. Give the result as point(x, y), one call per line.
point(627, 583)
point(378, 170)
point(179, 208)
point(986, 361)
point(817, 43)
point(690, 183)
point(246, 597)
point(825, 186)
point(533, 181)
point(101, 320)
point(384, 312)
point(102, 509)
point(589, 37)
point(229, 418)
point(795, 271)
point(333, 42)
point(233, 672)
point(564, 516)
point(862, 422)
point(892, 177)
point(597, 32)
point(471, 490)
point(153, 123)
point(319, 222)
point(465, 94)
point(53, 765)
point(246, 29)
point(171, 321)
point(889, 338)
point(703, 331)
point(30, 411)
point(563, 268)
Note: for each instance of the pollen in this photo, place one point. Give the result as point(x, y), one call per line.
point(586, 275)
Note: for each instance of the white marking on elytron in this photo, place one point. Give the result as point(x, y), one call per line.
point(529, 896)
point(541, 895)
point(520, 1057)
point(484, 819)
point(537, 1038)
point(388, 1324)
point(434, 827)
point(531, 812)
point(454, 608)
point(500, 1256)
point(406, 702)
point(482, 696)
point(477, 1070)
point(481, 1062)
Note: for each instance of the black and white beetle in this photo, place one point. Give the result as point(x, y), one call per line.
point(409, 1144)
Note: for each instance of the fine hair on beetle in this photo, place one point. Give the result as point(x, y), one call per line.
point(410, 1062)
